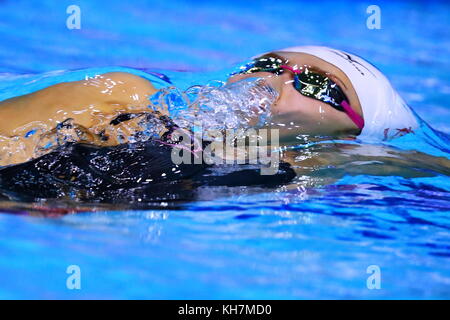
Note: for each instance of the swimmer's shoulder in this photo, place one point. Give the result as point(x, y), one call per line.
point(138, 83)
point(113, 84)
point(107, 91)
point(121, 83)
point(116, 85)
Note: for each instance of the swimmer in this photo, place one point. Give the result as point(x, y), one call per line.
point(320, 92)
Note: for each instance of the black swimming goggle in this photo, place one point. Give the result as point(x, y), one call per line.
point(306, 82)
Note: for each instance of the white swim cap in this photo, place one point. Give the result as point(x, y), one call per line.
point(385, 113)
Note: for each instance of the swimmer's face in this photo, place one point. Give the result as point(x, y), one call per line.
point(295, 114)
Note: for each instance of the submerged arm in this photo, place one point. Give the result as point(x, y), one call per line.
point(325, 164)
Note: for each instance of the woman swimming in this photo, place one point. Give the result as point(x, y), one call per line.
point(307, 91)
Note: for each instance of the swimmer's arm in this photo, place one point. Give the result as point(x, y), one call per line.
point(322, 168)
point(91, 103)
point(88, 102)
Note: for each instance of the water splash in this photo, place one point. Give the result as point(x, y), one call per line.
point(217, 106)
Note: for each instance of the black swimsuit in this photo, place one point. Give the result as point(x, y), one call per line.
point(124, 172)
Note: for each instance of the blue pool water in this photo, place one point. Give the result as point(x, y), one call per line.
point(240, 242)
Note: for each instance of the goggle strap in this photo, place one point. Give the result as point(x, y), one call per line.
point(356, 118)
point(294, 71)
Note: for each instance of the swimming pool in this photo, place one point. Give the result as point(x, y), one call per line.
point(241, 242)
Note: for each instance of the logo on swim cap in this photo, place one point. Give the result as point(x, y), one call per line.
point(349, 58)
